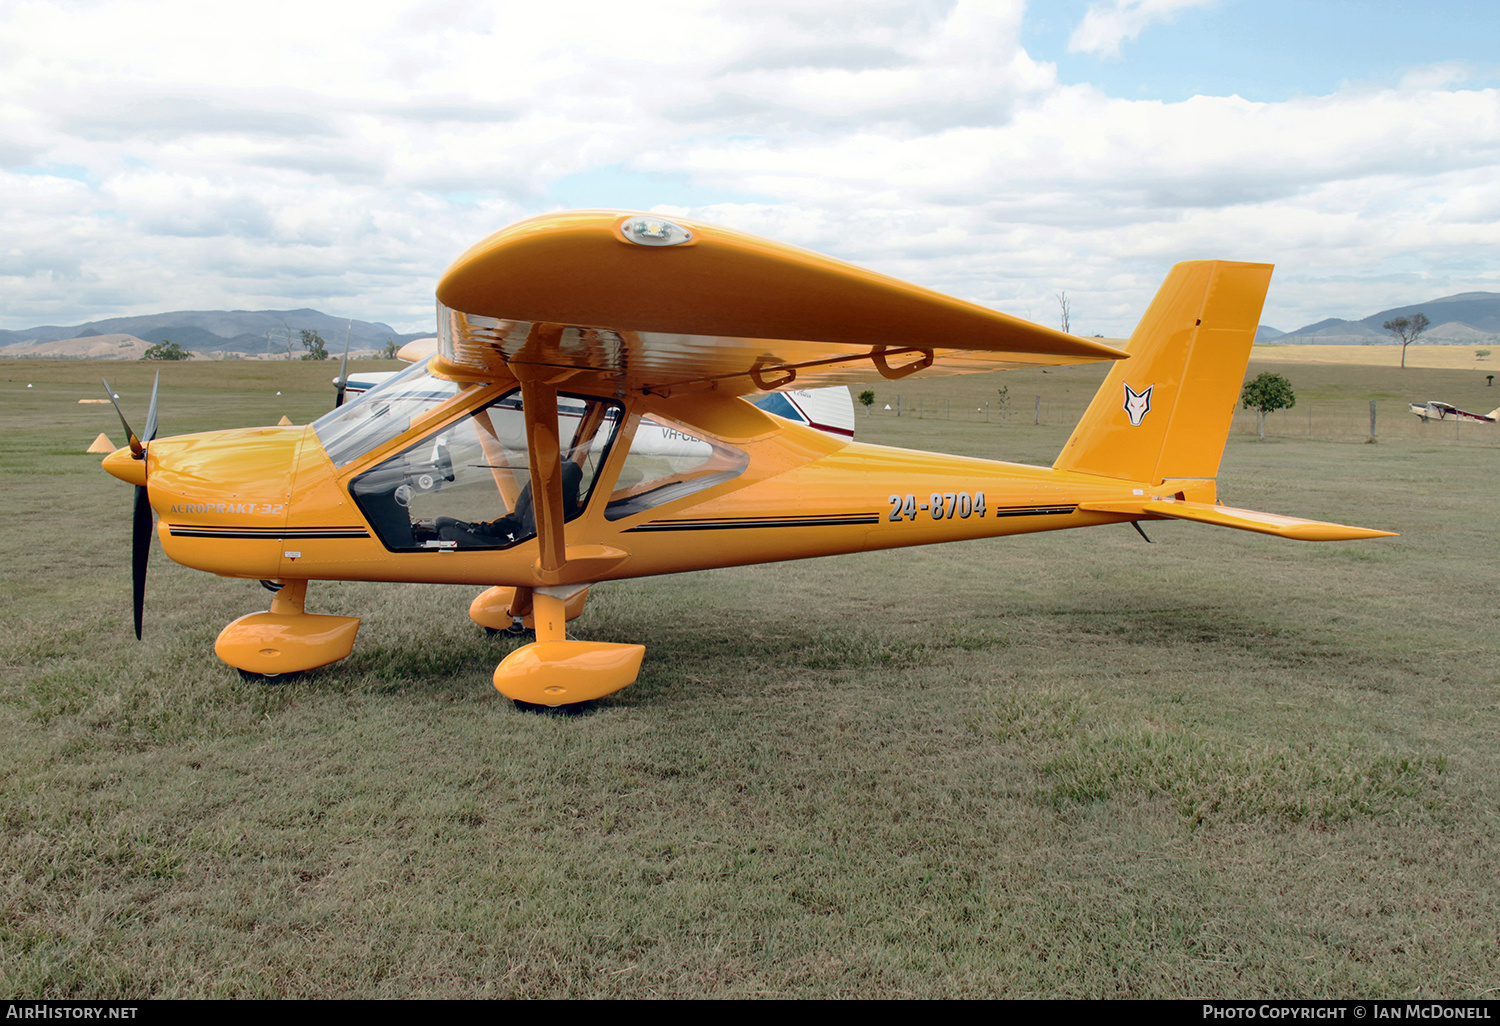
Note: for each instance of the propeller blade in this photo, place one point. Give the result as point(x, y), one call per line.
point(141, 523)
point(136, 449)
point(343, 378)
point(151, 412)
point(140, 550)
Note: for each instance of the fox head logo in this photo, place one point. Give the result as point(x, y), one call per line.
point(1137, 404)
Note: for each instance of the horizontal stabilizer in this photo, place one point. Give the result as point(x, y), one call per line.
point(1240, 519)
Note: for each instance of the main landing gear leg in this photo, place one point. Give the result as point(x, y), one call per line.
point(283, 641)
point(554, 671)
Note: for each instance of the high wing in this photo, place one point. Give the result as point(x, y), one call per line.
point(605, 300)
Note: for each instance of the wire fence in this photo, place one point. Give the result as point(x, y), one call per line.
point(1352, 420)
point(1330, 420)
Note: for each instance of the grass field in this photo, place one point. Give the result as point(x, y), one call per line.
point(1060, 765)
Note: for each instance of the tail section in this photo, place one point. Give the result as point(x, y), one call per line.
point(1164, 414)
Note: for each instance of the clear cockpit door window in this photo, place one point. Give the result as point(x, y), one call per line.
point(468, 486)
point(670, 461)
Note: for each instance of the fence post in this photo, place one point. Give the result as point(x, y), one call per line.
point(898, 404)
point(1036, 416)
point(1372, 420)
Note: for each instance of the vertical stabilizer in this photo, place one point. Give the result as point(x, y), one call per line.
point(1164, 414)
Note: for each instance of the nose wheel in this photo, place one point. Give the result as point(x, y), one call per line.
point(575, 709)
point(269, 679)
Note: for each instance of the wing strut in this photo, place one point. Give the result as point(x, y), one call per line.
point(539, 401)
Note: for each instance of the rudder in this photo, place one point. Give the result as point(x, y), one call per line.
point(1164, 414)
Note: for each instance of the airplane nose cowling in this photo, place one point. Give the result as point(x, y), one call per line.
point(223, 497)
point(123, 464)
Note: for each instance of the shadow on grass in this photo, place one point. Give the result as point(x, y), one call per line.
point(1228, 633)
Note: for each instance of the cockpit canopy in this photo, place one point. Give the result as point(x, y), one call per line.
point(467, 484)
point(382, 413)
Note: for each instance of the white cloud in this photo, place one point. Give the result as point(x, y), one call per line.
point(1109, 23)
point(338, 156)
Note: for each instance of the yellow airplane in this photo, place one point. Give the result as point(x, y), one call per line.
point(582, 420)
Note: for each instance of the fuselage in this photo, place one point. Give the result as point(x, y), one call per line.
point(735, 485)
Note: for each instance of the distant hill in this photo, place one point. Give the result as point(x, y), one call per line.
point(1469, 318)
point(1333, 327)
point(209, 333)
point(88, 347)
point(1478, 310)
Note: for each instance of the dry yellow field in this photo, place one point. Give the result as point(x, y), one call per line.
point(1428, 357)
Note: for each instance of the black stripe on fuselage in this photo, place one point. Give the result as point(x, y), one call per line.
point(266, 532)
point(741, 523)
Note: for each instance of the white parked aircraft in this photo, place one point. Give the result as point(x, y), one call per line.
point(1432, 410)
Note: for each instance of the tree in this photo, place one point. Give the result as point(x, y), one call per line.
point(1066, 305)
point(867, 399)
point(1267, 393)
point(390, 350)
point(316, 348)
point(276, 337)
point(167, 350)
point(1407, 331)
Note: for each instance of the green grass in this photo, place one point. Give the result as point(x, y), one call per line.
point(1059, 765)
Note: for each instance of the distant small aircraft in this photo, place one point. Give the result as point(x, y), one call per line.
point(584, 419)
point(1432, 410)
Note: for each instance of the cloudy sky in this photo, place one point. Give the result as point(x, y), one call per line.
point(173, 154)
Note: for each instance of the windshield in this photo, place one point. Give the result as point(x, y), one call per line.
point(351, 430)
